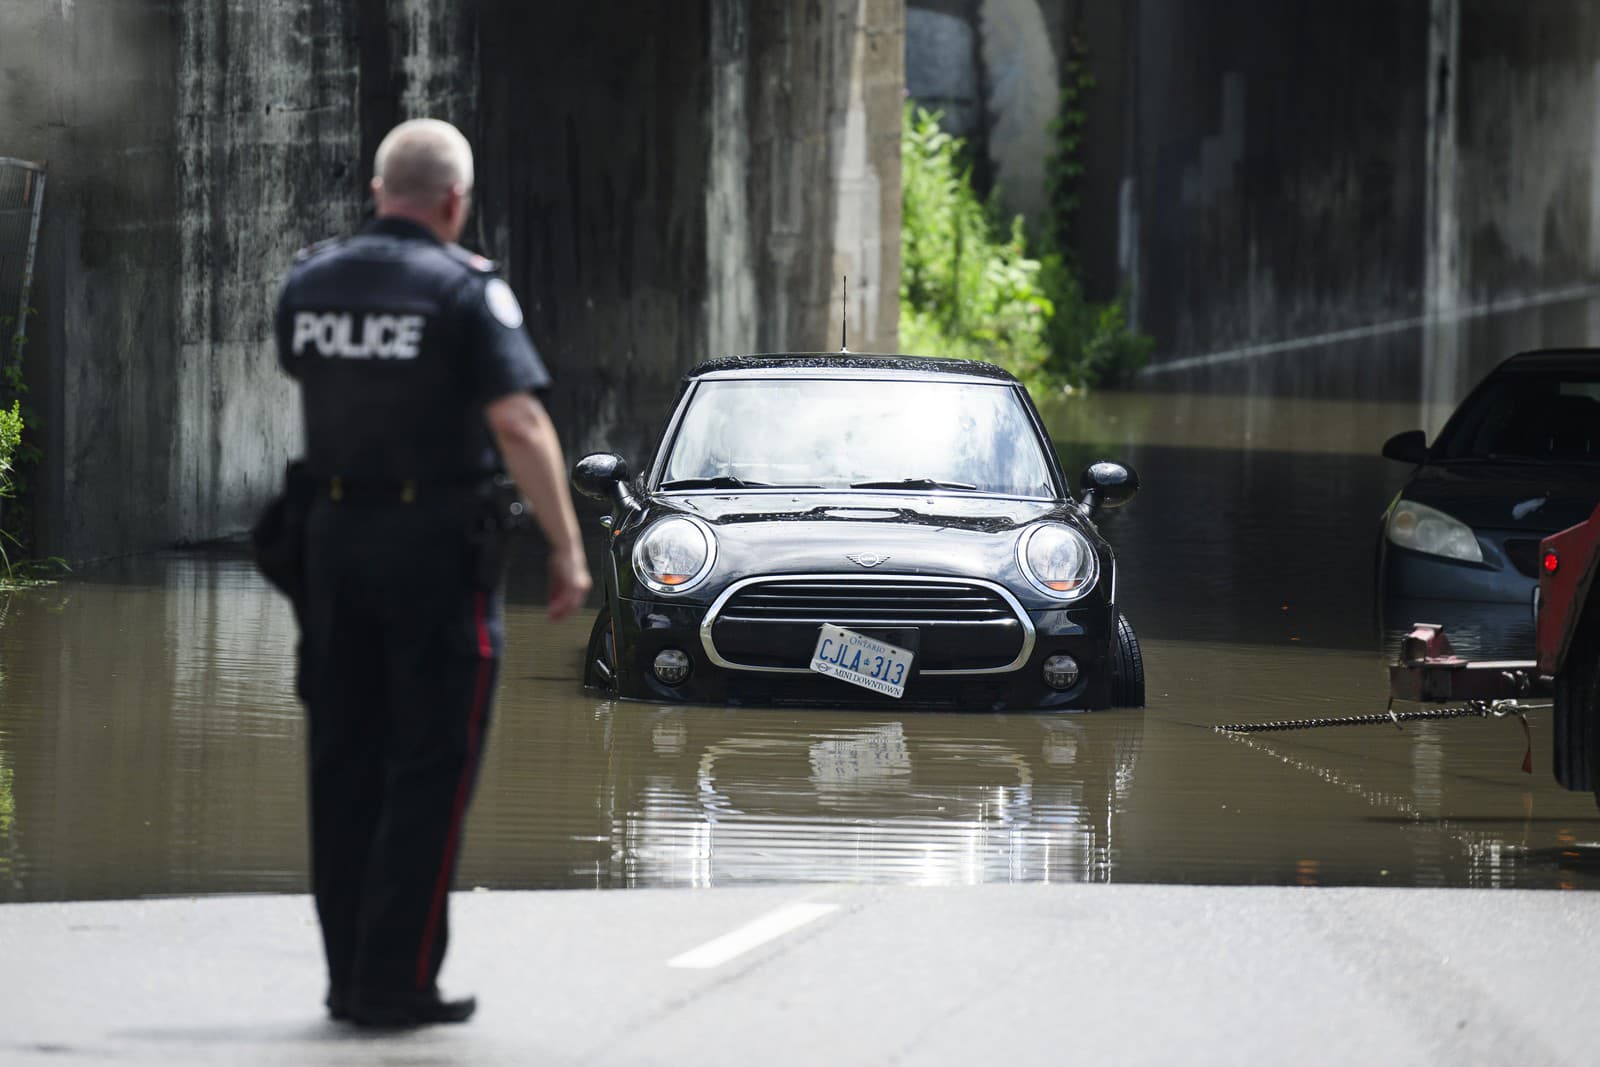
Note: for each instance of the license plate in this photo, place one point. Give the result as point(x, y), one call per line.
point(861, 660)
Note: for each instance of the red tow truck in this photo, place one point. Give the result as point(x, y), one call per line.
point(1567, 646)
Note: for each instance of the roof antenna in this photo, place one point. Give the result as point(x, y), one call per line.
point(844, 322)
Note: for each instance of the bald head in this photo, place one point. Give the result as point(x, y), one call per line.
point(423, 171)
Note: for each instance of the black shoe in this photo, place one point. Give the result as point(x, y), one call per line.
point(405, 1009)
point(337, 1011)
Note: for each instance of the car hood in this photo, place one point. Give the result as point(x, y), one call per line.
point(940, 535)
point(940, 510)
point(1535, 499)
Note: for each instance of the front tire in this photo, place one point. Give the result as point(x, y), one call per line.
point(1127, 667)
point(600, 659)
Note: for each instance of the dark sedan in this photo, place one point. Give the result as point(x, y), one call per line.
point(1518, 460)
point(859, 530)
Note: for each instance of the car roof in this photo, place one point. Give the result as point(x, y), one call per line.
point(847, 364)
point(1551, 359)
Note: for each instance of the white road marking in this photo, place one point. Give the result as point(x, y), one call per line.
point(769, 927)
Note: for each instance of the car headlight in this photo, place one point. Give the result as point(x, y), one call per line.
point(674, 554)
point(1424, 529)
point(1058, 560)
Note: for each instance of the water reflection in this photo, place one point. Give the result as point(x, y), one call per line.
point(149, 743)
point(934, 799)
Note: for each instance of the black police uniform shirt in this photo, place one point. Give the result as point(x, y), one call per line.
point(399, 341)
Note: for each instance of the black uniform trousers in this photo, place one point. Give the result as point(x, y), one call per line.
point(398, 658)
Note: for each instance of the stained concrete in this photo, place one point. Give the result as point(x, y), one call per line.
point(1414, 183)
point(686, 181)
point(1369, 200)
point(1017, 975)
point(993, 69)
point(192, 147)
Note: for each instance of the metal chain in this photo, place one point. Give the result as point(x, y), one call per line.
point(1476, 709)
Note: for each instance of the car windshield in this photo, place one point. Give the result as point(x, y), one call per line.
point(1545, 417)
point(858, 433)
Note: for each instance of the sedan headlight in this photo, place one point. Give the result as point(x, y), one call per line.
point(674, 554)
point(1058, 560)
point(1424, 529)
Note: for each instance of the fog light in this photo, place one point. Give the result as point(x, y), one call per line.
point(1060, 672)
point(672, 666)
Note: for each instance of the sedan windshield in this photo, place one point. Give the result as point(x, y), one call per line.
point(859, 433)
point(1545, 417)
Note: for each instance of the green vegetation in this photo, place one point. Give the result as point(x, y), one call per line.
point(10, 441)
point(18, 455)
point(1064, 169)
point(968, 287)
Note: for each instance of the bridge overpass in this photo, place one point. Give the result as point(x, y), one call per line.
point(1356, 199)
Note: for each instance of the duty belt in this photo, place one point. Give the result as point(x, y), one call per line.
point(342, 489)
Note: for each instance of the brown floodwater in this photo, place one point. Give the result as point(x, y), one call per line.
point(150, 744)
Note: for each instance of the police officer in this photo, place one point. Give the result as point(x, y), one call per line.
point(418, 383)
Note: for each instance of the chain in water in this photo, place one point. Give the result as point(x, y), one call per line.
point(1477, 709)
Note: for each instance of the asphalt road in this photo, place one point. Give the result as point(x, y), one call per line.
point(840, 975)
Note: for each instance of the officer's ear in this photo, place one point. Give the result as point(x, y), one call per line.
point(457, 205)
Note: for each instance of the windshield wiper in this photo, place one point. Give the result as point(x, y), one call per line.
point(727, 481)
point(913, 483)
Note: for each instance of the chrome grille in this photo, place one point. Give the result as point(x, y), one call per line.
point(965, 626)
point(907, 602)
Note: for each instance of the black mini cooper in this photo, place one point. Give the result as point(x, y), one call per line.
point(859, 530)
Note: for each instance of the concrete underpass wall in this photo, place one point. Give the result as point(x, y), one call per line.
point(683, 182)
point(266, 163)
point(822, 87)
point(192, 147)
point(593, 147)
point(102, 342)
point(702, 199)
point(1366, 199)
point(1278, 187)
point(1514, 238)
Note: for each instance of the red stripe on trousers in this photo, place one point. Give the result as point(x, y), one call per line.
point(441, 887)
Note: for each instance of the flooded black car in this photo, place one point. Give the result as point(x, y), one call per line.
point(859, 530)
point(1517, 461)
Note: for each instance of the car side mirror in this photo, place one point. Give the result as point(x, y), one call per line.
point(1107, 485)
point(1410, 446)
point(599, 474)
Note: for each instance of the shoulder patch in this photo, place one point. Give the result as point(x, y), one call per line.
point(502, 303)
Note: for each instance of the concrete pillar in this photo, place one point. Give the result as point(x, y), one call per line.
point(1024, 86)
point(865, 150)
point(824, 84)
point(268, 161)
point(683, 182)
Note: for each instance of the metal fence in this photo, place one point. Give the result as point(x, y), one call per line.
point(21, 205)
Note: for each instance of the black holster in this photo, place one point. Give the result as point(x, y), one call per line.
point(278, 539)
point(500, 514)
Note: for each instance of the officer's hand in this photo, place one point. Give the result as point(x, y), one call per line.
point(569, 583)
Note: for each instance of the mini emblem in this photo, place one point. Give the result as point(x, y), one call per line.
point(865, 559)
